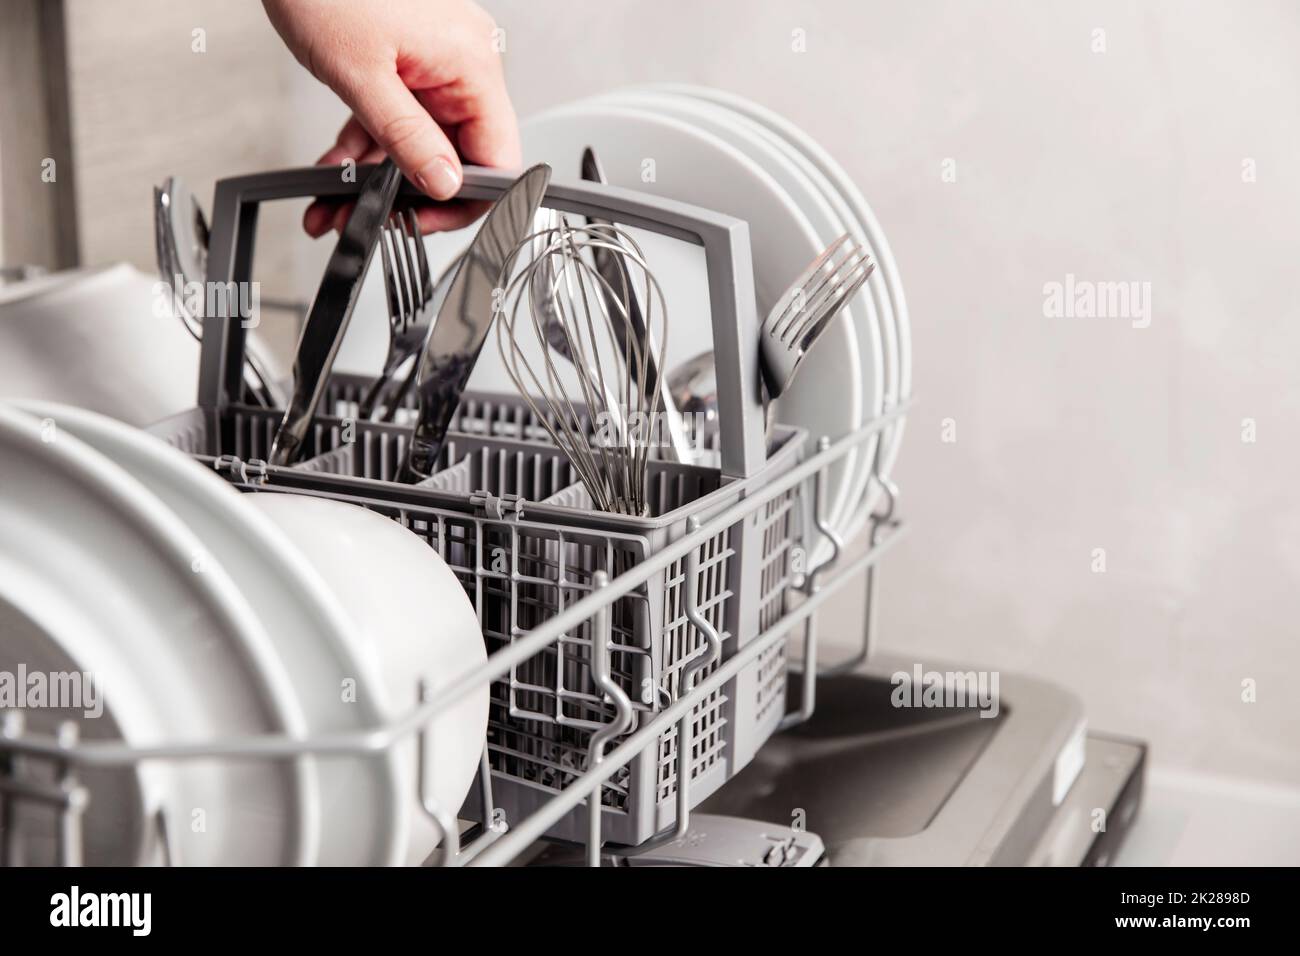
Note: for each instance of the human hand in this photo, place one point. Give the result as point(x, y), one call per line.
point(425, 86)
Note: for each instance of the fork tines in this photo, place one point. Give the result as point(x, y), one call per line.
point(831, 280)
point(406, 271)
point(408, 285)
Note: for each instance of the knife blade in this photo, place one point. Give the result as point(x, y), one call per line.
point(332, 308)
point(462, 324)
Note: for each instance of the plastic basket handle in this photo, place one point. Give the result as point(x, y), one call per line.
point(726, 249)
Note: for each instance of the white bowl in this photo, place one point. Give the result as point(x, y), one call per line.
point(309, 629)
point(99, 575)
point(413, 622)
point(102, 339)
point(90, 338)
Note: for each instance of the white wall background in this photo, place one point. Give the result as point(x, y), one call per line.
point(1072, 434)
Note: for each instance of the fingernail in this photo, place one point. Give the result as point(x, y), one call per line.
point(439, 179)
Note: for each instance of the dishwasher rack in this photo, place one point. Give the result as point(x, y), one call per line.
point(694, 605)
point(508, 516)
point(496, 840)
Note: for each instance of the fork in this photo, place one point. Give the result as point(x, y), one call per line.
point(806, 308)
point(409, 287)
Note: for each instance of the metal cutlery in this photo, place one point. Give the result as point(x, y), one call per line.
point(189, 229)
point(462, 322)
point(181, 246)
point(169, 270)
point(694, 386)
point(544, 293)
point(440, 287)
point(606, 424)
point(544, 297)
point(619, 295)
point(792, 327)
point(806, 308)
point(408, 285)
point(335, 299)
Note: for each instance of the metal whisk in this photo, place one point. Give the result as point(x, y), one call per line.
point(609, 415)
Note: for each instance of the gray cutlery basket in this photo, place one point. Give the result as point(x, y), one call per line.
point(505, 512)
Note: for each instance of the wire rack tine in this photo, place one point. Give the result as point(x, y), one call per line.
point(445, 821)
point(600, 670)
point(494, 842)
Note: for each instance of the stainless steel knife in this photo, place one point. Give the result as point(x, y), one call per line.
point(466, 315)
point(335, 299)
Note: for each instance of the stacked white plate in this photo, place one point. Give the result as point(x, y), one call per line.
point(202, 622)
point(723, 152)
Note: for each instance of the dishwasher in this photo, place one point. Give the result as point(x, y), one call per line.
point(656, 692)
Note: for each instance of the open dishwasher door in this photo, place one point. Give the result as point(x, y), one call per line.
point(886, 783)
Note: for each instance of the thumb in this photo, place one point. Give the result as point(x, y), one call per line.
point(405, 131)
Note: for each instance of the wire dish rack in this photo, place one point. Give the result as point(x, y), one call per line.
point(635, 664)
point(509, 517)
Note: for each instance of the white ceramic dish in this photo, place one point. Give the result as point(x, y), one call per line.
point(91, 338)
point(311, 632)
point(847, 188)
point(801, 182)
point(413, 622)
point(97, 338)
point(874, 235)
point(696, 166)
point(99, 545)
point(45, 635)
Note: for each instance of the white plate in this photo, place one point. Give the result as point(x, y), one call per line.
point(414, 623)
point(698, 167)
point(100, 545)
point(42, 633)
point(311, 632)
point(871, 231)
point(800, 181)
